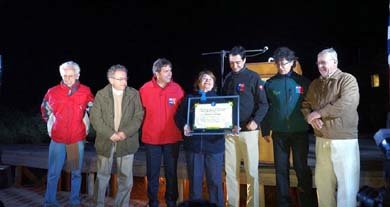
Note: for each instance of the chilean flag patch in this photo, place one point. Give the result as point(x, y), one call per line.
point(240, 87)
point(172, 101)
point(299, 89)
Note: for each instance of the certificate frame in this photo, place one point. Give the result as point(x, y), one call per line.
point(225, 117)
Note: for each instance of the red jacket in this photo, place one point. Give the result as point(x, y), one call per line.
point(160, 107)
point(64, 110)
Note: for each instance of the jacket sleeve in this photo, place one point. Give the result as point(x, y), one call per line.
point(261, 102)
point(348, 98)
point(97, 119)
point(265, 123)
point(136, 118)
point(306, 105)
point(89, 101)
point(180, 116)
point(46, 109)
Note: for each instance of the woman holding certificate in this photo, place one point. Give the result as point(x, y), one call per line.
point(204, 153)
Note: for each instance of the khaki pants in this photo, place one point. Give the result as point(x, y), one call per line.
point(237, 148)
point(125, 179)
point(337, 167)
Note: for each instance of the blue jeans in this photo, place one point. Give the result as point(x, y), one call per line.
point(210, 164)
point(57, 155)
point(154, 153)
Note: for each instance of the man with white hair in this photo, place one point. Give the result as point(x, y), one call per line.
point(330, 107)
point(64, 108)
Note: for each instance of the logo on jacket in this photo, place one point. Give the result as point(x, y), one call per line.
point(240, 87)
point(171, 101)
point(261, 87)
point(299, 89)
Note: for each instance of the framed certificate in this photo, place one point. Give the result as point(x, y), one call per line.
point(215, 115)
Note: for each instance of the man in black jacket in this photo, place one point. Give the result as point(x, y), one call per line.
point(244, 145)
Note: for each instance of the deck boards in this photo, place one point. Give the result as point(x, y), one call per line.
point(36, 156)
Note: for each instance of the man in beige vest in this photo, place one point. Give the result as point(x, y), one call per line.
point(116, 116)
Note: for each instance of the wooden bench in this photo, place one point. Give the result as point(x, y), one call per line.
point(27, 156)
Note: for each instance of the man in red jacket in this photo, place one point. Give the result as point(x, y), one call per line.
point(64, 109)
point(160, 98)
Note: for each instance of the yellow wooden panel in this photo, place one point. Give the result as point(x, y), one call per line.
point(269, 69)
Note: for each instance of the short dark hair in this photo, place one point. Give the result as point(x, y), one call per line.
point(114, 68)
point(199, 79)
point(238, 50)
point(284, 53)
point(159, 63)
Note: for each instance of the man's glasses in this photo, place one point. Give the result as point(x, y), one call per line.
point(283, 63)
point(119, 79)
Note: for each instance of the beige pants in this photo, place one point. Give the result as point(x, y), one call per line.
point(337, 167)
point(242, 147)
point(125, 179)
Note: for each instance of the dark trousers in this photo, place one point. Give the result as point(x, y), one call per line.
point(210, 164)
point(299, 143)
point(154, 153)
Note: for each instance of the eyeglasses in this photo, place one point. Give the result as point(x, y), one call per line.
point(206, 79)
point(326, 62)
point(283, 63)
point(119, 79)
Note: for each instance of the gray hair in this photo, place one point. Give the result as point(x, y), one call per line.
point(331, 52)
point(71, 64)
point(159, 63)
point(114, 68)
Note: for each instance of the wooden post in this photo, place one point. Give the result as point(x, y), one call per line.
point(90, 183)
point(30, 176)
point(1, 73)
point(181, 188)
point(261, 194)
point(67, 181)
point(18, 175)
point(113, 185)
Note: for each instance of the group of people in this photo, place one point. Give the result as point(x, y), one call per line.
point(282, 108)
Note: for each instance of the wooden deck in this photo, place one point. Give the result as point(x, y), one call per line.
point(35, 156)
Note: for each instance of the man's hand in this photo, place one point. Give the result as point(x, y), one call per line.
point(236, 129)
point(251, 125)
point(187, 130)
point(313, 115)
point(122, 135)
point(115, 137)
point(317, 124)
point(267, 138)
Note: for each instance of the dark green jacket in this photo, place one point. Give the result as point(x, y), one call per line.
point(102, 120)
point(285, 94)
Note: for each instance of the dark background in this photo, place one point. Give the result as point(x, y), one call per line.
point(37, 36)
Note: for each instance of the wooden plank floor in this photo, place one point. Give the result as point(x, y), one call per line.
point(32, 196)
point(371, 162)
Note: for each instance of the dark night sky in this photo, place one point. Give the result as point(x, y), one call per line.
point(37, 36)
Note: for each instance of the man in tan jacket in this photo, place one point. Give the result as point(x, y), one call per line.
point(330, 107)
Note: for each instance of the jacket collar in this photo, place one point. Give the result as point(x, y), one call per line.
point(155, 84)
point(289, 74)
point(241, 71)
point(72, 89)
point(336, 75)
